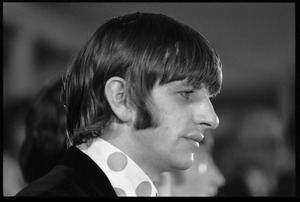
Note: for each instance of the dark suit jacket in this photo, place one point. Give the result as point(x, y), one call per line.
point(77, 175)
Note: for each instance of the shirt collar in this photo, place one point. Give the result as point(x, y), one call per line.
point(126, 177)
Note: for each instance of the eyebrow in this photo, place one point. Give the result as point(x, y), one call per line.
point(184, 84)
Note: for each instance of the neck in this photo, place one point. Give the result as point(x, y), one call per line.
point(123, 137)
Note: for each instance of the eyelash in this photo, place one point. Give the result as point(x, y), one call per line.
point(186, 94)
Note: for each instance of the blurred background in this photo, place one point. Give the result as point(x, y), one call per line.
point(256, 42)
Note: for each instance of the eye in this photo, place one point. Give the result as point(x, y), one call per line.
point(186, 94)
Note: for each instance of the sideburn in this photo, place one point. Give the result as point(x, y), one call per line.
point(145, 119)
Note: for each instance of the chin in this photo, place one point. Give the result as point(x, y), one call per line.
point(184, 165)
point(181, 162)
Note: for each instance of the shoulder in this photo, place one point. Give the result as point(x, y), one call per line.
point(76, 175)
point(61, 181)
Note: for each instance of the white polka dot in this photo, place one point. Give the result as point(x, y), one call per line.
point(120, 192)
point(117, 161)
point(144, 189)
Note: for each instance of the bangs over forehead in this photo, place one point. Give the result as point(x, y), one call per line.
point(190, 57)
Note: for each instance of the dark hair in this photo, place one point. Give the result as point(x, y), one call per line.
point(45, 140)
point(141, 48)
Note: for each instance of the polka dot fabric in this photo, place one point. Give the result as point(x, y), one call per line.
point(117, 161)
point(126, 177)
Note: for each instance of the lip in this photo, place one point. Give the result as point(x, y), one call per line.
point(198, 137)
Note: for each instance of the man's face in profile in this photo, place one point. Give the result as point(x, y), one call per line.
point(183, 114)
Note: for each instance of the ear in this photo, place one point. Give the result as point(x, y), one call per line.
point(115, 92)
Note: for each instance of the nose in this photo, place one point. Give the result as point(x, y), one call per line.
point(205, 115)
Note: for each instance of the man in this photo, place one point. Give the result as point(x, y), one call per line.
point(137, 97)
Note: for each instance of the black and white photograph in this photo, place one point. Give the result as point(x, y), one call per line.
point(149, 99)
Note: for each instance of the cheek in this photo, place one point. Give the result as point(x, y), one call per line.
point(172, 123)
point(170, 113)
point(174, 118)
